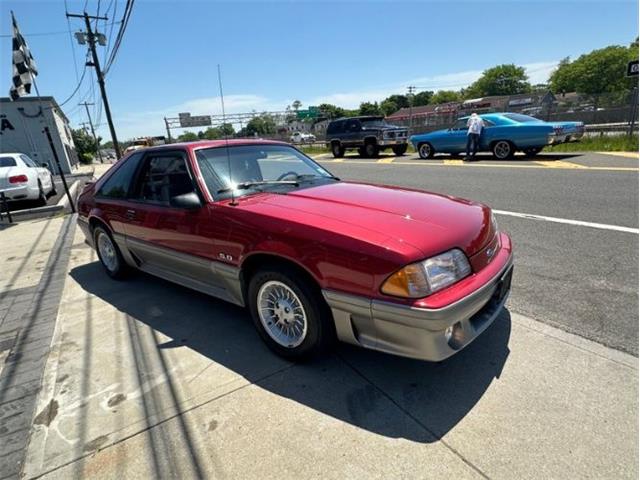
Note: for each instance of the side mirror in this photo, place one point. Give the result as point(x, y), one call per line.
point(187, 201)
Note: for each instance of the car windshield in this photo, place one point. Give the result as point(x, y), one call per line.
point(7, 162)
point(256, 168)
point(518, 117)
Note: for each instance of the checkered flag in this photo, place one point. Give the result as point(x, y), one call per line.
point(24, 66)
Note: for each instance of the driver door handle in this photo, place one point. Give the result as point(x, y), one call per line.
point(130, 214)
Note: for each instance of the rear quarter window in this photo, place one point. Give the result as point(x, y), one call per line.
point(118, 185)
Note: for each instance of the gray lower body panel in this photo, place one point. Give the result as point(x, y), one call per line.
point(426, 334)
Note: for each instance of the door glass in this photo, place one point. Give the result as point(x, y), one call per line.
point(460, 124)
point(162, 178)
point(118, 184)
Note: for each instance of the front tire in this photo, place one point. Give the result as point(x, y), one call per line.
point(399, 150)
point(109, 254)
point(371, 149)
point(425, 150)
point(42, 197)
point(532, 152)
point(503, 150)
point(53, 187)
point(289, 314)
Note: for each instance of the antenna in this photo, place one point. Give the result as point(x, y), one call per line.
point(226, 139)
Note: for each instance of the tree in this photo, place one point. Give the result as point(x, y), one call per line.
point(188, 137)
point(445, 96)
point(260, 125)
point(331, 111)
point(226, 129)
point(422, 98)
point(368, 108)
point(507, 79)
point(86, 146)
point(599, 71)
point(388, 107)
point(296, 105)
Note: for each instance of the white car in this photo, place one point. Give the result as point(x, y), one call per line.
point(300, 137)
point(22, 179)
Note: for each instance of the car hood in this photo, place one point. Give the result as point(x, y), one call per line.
point(431, 223)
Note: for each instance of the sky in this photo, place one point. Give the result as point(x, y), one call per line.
point(272, 53)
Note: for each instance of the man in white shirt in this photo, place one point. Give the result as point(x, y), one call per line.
point(475, 125)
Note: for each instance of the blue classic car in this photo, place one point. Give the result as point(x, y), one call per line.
point(503, 134)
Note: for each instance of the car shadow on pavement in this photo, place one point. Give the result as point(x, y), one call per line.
point(387, 395)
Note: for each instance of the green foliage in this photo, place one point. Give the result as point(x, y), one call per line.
point(188, 137)
point(296, 105)
point(215, 133)
point(85, 144)
point(85, 158)
point(388, 107)
point(599, 71)
point(260, 125)
point(368, 108)
point(602, 143)
point(422, 98)
point(506, 79)
point(331, 111)
point(445, 96)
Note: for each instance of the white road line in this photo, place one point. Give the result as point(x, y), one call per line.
point(602, 226)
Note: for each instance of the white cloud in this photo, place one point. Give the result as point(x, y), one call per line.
point(132, 124)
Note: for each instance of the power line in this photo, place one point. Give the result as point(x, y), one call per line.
point(44, 34)
point(73, 50)
point(123, 26)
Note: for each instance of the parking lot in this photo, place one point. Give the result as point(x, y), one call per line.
point(147, 379)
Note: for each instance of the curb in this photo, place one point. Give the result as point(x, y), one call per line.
point(64, 201)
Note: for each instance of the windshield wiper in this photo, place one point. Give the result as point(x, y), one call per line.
point(310, 176)
point(246, 185)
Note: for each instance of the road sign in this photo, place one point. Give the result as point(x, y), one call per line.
point(311, 112)
point(632, 68)
point(186, 120)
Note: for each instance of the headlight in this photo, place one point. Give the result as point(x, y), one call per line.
point(424, 278)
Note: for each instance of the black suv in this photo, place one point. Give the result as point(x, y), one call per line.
point(368, 134)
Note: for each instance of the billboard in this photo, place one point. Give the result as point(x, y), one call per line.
point(186, 120)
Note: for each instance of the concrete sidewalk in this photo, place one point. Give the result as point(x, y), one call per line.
point(147, 379)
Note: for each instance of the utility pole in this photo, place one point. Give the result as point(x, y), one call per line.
point(410, 90)
point(91, 38)
point(93, 132)
point(166, 124)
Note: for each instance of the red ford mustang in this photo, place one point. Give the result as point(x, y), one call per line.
point(259, 224)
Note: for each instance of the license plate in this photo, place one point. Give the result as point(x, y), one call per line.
point(504, 285)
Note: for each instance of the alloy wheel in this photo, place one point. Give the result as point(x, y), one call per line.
point(282, 314)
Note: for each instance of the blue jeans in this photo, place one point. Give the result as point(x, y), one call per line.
point(473, 142)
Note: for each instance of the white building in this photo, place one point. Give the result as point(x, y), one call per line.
point(22, 125)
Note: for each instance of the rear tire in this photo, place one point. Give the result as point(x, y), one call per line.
point(290, 315)
point(337, 150)
point(425, 150)
point(503, 150)
point(109, 254)
point(400, 150)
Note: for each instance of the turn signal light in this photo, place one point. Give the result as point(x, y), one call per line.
point(18, 179)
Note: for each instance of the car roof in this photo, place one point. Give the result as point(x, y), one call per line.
point(361, 117)
point(215, 143)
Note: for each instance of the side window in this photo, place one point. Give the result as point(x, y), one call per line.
point(28, 162)
point(163, 177)
point(460, 124)
point(354, 126)
point(118, 184)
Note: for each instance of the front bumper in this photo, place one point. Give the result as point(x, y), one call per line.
point(390, 142)
point(426, 334)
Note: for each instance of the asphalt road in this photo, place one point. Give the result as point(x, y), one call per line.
point(579, 278)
